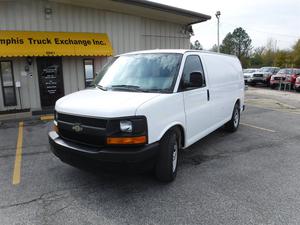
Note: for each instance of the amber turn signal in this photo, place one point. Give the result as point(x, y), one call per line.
point(126, 140)
point(55, 128)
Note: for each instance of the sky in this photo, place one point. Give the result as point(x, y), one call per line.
point(263, 20)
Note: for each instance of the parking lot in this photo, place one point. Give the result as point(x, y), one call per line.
point(248, 177)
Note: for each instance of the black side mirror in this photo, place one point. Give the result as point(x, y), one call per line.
point(196, 79)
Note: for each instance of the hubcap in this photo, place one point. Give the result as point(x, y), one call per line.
point(175, 155)
point(236, 118)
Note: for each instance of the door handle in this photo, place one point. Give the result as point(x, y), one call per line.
point(208, 96)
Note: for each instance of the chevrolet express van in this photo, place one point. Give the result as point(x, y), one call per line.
point(149, 105)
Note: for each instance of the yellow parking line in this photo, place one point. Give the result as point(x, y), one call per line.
point(259, 128)
point(47, 117)
point(18, 159)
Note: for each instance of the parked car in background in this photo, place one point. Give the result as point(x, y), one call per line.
point(263, 75)
point(294, 76)
point(284, 75)
point(297, 84)
point(248, 74)
point(279, 77)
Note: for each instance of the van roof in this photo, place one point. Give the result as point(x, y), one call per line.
point(180, 51)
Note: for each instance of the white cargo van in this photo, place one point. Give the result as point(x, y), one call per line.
point(149, 105)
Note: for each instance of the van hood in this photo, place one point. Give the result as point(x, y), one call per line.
point(98, 103)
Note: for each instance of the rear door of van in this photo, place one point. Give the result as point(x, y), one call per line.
point(196, 101)
point(226, 84)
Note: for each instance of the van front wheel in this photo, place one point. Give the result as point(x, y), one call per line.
point(166, 166)
point(234, 123)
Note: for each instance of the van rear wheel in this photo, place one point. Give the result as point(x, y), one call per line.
point(234, 123)
point(166, 166)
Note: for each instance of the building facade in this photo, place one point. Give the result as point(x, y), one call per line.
point(33, 78)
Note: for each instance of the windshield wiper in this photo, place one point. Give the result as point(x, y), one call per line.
point(101, 87)
point(155, 90)
point(127, 87)
point(136, 88)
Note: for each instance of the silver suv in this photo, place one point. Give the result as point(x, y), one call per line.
point(263, 75)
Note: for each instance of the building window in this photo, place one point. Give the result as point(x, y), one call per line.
point(88, 71)
point(8, 84)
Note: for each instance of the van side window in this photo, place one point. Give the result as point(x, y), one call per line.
point(192, 64)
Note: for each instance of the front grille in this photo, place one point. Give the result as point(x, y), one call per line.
point(93, 122)
point(257, 75)
point(82, 138)
point(93, 131)
point(279, 78)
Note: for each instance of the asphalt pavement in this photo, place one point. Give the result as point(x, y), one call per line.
point(251, 176)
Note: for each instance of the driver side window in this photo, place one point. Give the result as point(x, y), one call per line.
point(192, 64)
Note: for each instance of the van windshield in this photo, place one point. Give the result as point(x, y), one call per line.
point(147, 72)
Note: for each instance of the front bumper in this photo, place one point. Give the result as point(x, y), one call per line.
point(258, 80)
point(67, 151)
point(247, 79)
point(275, 82)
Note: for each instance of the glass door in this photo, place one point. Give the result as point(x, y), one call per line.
point(8, 84)
point(50, 80)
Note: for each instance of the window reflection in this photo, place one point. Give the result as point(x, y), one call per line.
point(88, 71)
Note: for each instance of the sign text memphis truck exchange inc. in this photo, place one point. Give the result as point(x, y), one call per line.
point(45, 41)
point(36, 43)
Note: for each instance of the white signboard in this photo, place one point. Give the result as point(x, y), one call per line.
point(18, 84)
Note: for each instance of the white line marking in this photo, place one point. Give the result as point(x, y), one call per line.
point(259, 128)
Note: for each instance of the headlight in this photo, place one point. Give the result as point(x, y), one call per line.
point(127, 131)
point(126, 126)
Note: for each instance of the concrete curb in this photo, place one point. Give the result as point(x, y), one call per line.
point(13, 118)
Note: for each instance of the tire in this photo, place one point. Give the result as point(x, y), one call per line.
point(166, 165)
point(234, 123)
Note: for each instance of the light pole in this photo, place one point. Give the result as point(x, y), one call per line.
point(218, 14)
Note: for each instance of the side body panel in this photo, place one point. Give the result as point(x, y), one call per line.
point(225, 83)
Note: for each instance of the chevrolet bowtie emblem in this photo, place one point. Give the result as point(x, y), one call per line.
point(77, 127)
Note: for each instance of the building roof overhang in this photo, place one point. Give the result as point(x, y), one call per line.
point(143, 8)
